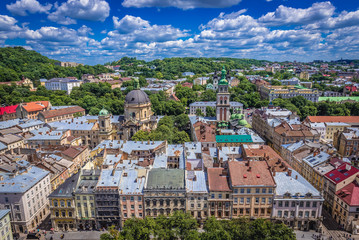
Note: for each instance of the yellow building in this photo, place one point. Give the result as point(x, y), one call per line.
point(62, 206)
point(5, 227)
point(333, 127)
point(253, 189)
point(85, 199)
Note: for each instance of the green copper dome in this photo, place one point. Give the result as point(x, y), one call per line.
point(103, 112)
point(223, 80)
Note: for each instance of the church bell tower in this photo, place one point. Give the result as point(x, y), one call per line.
point(223, 96)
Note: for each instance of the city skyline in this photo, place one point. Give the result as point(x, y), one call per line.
point(99, 31)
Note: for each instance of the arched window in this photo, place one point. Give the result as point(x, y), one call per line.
point(221, 100)
point(225, 100)
point(145, 114)
point(220, 114)
point(134, 115)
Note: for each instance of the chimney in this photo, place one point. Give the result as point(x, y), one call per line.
point(289, 172)
point(249, 169)
point(224, 172)
point(348, 167)
point(296, 177)
point(273, 173)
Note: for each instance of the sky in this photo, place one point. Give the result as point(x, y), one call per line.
point(99, 31)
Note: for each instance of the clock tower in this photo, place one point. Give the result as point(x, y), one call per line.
point(223, 96)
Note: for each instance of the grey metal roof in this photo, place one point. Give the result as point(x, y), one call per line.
point(3, 213)
point(67, 188)
point(137, 97)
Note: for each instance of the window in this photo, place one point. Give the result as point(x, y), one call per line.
point(192, 205)
point(63, 213)
point(300, 214)
point(263, 200)
point(301, 204)
point(307, 204)
point(70, 214)
point(314, 204)
point(132, 199)
point(62, 203)
point(132, 206)
point(257, 190)
point(68, 203)
point(257, 200)
point(139, 198)
point(242, 201)
point(220, 196)
point(212, 195)
point(235, 200)
point(56, 213)
point(280, 204)
point(248, 200)
point(293, 204)
point(270, 190)
point(242, 190)
point(279, 213)
point(140, 206)
point(313, 213)
point(306, 214)
point(248, 190)
point(84, 198)
point(55, 203)
point(123, 198)
point(236, 190)
point(286, 204)
point(264, 190)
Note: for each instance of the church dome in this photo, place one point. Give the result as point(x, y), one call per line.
point(137, 97)
point(103, 112)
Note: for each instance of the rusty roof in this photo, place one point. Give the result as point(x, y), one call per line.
point(257, 173)
point(217, 182)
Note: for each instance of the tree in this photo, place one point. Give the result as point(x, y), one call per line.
point(210, 111)
point(199, 112)
point(209, 95)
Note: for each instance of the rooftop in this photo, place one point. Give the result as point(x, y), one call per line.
point(165, 178)
point(343, 172)
point(295, 185)
point(234, 138)
point(217, 181)
point(8, 109)
point(350, 194)
point(67, 188)
point(345, 119)
point(256, 173)
point(23, 182)
point(196, 181)
point(109, 178)
point(62, 111)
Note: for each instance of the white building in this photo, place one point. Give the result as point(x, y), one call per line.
point(296, 202)
point(25, 195)
point(63, 84)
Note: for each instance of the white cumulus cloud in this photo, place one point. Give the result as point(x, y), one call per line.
point(129, 23)
point(91, 10)
point(23, 7)
point(298, 16)
point(182, 4)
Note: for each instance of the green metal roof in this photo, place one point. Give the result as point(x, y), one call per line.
point(338, 99)
point(234, 138)
point(160, 178)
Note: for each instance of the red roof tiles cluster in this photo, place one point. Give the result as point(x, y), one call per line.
point(62, 111)
point(344, 119)
point(35, 106)
point(253, 174)
point(343, 172)
point(217, 181)
point(8, 109)
point(350, 194)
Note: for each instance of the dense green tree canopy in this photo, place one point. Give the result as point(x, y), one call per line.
point(183, 226)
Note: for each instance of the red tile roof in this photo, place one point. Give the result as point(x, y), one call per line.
point(73, 152)
point(35, 106)
point(205, 132)
point(8, 109)
point(350, 194)
point(62, 111)
point(216, 181)
point(345, 119)
point(257, 173)
point(343, 172)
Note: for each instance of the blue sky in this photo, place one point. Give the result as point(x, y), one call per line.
point(98, 31)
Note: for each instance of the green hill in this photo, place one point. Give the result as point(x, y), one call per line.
point(17, 62)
